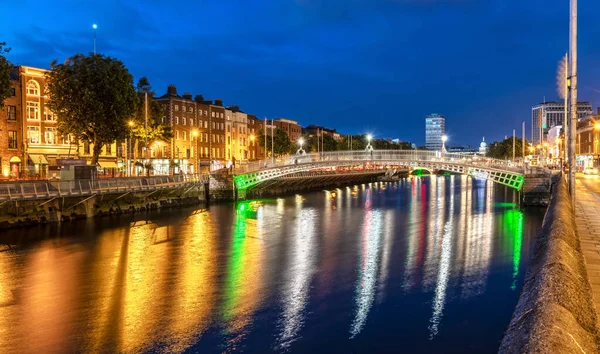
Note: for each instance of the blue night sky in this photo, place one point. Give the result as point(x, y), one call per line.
point(359, 66)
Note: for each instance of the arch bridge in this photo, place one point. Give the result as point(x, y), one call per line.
point(499, 171)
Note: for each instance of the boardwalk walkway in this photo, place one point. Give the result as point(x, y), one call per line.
point(587, 209)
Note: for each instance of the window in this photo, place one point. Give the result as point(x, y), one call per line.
point(205, 124)
point(50, 136)
point(177, 135)
point(33, 111)
point(164, 120)
point(176, 120)
point(205, 113)
point(33, 88)
point(206, 137)
point(13, 92)
point(48, 115)
point(108, 149)
point(184, 135)
point(33, 135)
point(191, 122)
point(182, 120)
point(12, 139)
point(222, 126)
point(183, 108)
point(176, 108)
point(191, 109)
point(212, 114)
point(212, 125)
point(86, 147)
point(221, 114)
point(12, 112)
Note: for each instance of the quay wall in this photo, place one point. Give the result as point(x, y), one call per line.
point(33, 212)
point(555, 312)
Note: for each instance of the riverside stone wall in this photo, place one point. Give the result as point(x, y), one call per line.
point(555, 312)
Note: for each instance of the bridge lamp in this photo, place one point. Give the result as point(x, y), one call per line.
point(301, 142)
point(444, 139)
point(369, 148)
point(300, 150)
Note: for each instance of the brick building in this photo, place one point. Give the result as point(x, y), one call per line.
point(29, 139)
point(290, 127)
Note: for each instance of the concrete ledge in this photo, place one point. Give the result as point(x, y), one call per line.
point(555, 312)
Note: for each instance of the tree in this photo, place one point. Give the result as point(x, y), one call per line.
point(155, 129)
point(504, 149)
point(93, 98)
point(329, 143)
point(5, 68)
point(281, 142)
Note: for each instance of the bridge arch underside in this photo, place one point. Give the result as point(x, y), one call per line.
point(250, 180)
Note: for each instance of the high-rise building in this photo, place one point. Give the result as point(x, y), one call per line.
point(547, 115)
point(435, 128)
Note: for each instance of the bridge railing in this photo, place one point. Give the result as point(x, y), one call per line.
point(23, 190)
point(381, 155)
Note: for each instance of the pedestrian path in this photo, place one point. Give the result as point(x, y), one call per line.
point(587, 216)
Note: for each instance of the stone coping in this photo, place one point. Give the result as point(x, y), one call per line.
point(555, 312)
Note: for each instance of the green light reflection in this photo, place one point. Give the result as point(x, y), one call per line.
point(513, 221)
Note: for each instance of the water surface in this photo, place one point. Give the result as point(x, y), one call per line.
point(427, 264)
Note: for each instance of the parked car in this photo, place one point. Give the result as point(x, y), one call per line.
point(590, 171)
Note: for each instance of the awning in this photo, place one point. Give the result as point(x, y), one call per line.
point(38, 158)
point(108, 164)
point(15, 159)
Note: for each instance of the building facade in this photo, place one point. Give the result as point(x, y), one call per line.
point(316, 130)
point(29, 137)
point(547, 115)
point(290, 127)
point(435, 128)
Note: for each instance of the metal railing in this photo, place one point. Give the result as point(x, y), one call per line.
point(382, 155)
point(30, 190)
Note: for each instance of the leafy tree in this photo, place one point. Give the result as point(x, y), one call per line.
point(281, 141)
point(329, 143)
point(156, 129)
point(5, 68)
point(504, 149)
point(93, 97)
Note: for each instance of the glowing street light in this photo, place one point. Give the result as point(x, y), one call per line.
point(444, 139)
point(128, 149)
point(95, 26)
point(369, 148)
point(301, 150)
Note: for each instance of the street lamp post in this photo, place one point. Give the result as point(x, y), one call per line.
point(301, 150)
point(94, 26)
point(369, 147)
point(195, 134)
point(596, 129)
point(128, 150)
point(444, 139)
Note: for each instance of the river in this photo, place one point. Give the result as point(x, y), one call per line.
point(423, 265)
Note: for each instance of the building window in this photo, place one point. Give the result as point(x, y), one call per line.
point(205, 113)
point(12, 112)
point(164, 120)
point(177, 135)
point(48, 115)
point(183, 108)
point(33, 135)
point(221, 114)
point(33, 88)
point(86, 147)
point(191, 122)
point(191, 109)
point(182, 120)
point(205, 124)
point(108, 149)
point(33, 111)
point(176, 108)
point(12, 139)
point(176, 120)
point(13, 92)
point(50, 136)
point(222, 126)
point(184, 135)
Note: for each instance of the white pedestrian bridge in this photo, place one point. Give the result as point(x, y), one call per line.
point(503, 172)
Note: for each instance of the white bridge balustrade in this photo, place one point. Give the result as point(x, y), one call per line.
point(510, 173)
point(36, 190)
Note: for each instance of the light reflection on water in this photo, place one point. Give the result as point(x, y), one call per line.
point(354, 269)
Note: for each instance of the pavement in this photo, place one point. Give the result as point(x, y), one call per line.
point(587, 216)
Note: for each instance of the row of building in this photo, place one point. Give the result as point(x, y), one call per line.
point(547, 132)
point(204, 133)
